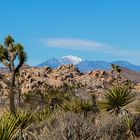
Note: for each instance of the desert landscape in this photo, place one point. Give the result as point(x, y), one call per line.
point(64, 103)
point(69, 70)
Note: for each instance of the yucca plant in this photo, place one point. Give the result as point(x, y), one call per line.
point(71, 106)
point(78, 106)
point(129, 123)
point(9, 126)
point(43, 114)
point(25, 118)
point(116, 99)
point(56, 97)
point(13, 128)
point(86, 106)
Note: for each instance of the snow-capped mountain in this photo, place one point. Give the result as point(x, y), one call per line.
point(86, 65)
point(71, 59)
point(54, 62)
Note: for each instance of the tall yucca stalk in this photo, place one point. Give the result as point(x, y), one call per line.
point(9, 52)
point(116, 99)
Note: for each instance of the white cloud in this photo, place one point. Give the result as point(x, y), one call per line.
point(75, 44)
point(87, 45)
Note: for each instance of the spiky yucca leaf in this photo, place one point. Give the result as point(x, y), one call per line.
point(116, 99)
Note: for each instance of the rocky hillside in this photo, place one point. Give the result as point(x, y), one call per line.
point(37, 80)
point(131, 74)
point(33, 79)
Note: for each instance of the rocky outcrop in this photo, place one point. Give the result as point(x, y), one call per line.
point(98, 73)
point(33, 79)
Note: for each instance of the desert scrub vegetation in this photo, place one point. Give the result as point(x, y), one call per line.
point(64, 116)
point(52, 97)
point(59, 114)
point(70, 126)
point(78, 106)
point(74, 118)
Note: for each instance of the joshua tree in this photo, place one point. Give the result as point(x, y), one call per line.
point(113, 66)
point(116, 68)
point(9, 53)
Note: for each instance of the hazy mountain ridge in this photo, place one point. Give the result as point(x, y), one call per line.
point(86, 65)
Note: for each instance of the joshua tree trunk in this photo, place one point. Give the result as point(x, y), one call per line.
point(18, 90)
point(11, 91)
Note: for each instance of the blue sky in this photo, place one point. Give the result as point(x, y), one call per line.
point(91, 29)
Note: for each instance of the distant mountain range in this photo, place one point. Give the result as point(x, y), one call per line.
point(86, 65)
